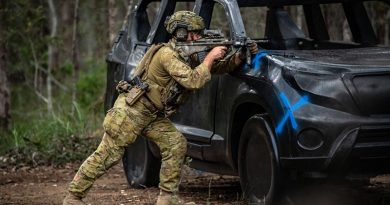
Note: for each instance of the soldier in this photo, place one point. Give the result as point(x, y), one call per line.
point(144, 111)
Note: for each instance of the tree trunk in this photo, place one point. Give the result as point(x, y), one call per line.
point(387, 28)
point(5, 97)
point(334, 18)
point(188, 6)
point(128, 11)
point(346, 32)
point(75, 61)
point(51, 54)
point(112, 21)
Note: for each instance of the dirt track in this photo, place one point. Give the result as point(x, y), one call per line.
point(46, 185)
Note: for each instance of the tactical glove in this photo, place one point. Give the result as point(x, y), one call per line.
point(252, 46)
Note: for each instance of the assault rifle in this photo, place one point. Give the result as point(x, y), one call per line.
point(212, 38)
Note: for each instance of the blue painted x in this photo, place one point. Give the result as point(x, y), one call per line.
point(290, 112)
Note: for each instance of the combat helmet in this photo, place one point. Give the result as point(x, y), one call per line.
point(184, 19)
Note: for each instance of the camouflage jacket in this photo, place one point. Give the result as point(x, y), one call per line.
point(169, 74)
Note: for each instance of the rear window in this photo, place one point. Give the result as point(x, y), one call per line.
point(188, 6)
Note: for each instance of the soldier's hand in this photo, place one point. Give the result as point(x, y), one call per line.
point(252, 47)
point(215, 54)
point(241, 56)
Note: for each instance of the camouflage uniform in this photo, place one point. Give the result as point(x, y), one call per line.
point(123, 123)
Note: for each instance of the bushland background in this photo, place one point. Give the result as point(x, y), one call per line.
point(52, 72)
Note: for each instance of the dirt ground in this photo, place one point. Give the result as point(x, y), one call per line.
point(47, 185)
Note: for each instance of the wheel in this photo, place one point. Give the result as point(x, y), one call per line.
point(141, 167)
point(258, 169)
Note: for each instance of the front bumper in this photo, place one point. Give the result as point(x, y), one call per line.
point(349, 142)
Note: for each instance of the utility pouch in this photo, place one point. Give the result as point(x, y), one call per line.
point(134, 94)
point(174, 94)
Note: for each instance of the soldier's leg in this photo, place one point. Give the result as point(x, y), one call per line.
point(173, 148)
point(122, 125)
point(105, 156)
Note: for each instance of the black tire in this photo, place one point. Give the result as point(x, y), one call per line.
point(141, 167)
point(258, 169)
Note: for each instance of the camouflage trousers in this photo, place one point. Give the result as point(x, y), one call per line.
point(122, 125)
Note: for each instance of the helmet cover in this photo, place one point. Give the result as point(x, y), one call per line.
point(184, 19)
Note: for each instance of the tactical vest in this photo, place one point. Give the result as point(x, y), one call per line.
point(172, 95)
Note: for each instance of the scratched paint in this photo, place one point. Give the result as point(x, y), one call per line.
point(289, 114)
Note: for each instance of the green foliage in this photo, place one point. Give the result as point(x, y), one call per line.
point(74, 129)
point(91, 84)
point(65, 70)
point(24, 37)
point(38, 137)
point(50, 140)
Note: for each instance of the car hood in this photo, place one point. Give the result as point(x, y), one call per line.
point(340, 75)
point(334, 61)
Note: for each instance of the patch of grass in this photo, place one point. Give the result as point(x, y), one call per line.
point(39, 137)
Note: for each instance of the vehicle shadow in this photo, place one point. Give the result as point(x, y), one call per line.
point(208, 188)
point(333, 192)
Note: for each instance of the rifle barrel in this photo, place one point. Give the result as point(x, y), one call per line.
point(217, 43)
point(208, 43)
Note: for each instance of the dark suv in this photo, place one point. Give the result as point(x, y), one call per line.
point(306, 103)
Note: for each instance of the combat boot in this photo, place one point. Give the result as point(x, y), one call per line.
point(167, 198)
point(71, 199)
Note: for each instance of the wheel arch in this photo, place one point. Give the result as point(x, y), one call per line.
point(258, 164)
point(264, 119)
point(243, 111)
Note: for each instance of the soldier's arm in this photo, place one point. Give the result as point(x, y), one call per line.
point(227, 66)
point(235, 61)
point(182, 73)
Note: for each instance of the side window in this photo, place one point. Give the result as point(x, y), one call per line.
point(379, 14)
point(161, 35)
point(152, 9)
point(188, 6)
point(219, 20)
point(336, 22)
point(145, 18)
point(254, 19)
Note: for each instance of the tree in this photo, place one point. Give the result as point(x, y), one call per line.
point(112, 21)
point(5, 98)
point(75, 61)
point(115, 15)
point(51, 53)
point(128, 10)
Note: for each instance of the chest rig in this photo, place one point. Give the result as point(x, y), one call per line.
point(172, 95)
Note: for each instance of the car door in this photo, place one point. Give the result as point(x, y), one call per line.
point(196, 118)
